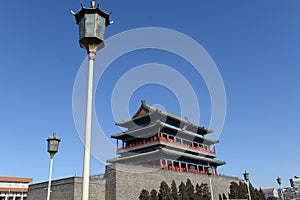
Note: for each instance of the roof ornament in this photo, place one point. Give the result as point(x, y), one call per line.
point(185, 126)
point(93, 4)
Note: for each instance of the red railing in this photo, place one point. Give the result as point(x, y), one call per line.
point(184, 170)
point(178, 142)
point(191, 146)
point(176, 168)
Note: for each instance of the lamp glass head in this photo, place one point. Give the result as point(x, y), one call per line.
point(246, 176)
point(53, 143)
point(279, 181)
point(209, 170)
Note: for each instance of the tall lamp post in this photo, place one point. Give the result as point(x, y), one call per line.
point(209, 173)
point(92, 23)
point(53, 143)
point(246, 178)
point(280, 189)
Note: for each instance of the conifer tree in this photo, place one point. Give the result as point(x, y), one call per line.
point(198, 192)
point(189, 189)
point(253, 192)
point(174, 191)
point(243, 191)
point(144, 195)
point(164, 191)
point(257, 194)
point(202, 192)
point(234, 190)
point(261, 195)
point(153, 195)
point(182, 192)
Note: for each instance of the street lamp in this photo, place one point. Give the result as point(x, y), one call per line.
point(246, 178)
point(209, 173)
point(53, 143)
point(92, 23)
point(280, 189)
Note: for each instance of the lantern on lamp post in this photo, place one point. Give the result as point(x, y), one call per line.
point(92, 23)
point(279, 181)
point(247, 180)
point(53, 143)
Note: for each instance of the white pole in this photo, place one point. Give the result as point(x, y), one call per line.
point(248, 190)
point(50, 177)
point(281, 191)
point(9, 192)
point(22, 192)
point(88, 127)
point(211, 189)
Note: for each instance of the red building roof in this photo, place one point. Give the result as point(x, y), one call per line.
point(267, 190)
point(14, 179)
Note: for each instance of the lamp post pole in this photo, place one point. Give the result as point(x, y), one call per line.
point(9, 191)
point(92, 23)
point(246, 178)
point(88, 128)
point(280, 189)
point(22, 192)
point(209, 173)
point(50, 177)
point(53, 143)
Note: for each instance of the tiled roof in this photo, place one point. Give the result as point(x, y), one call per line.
point(14, 179)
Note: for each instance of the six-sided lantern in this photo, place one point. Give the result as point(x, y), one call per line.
point(246, 176)
point(53, 143)
point(92, 23)
point(279, 181)
point(209, 170)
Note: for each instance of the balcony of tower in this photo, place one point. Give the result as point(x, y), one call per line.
point(180, 166)
point(162, 139)
point(171, 160)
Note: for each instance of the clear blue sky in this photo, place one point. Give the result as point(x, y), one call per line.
point(255, 45)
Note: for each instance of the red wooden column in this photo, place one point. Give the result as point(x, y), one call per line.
point(161, 164)
point(180, 166)
point(197, 169)
point(123, 144)
point(117, 144)
point(172, 165)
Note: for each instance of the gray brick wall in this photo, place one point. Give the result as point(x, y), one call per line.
point(130, 180)
point(110, 187)
point(67, 189)
point(124, 182)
